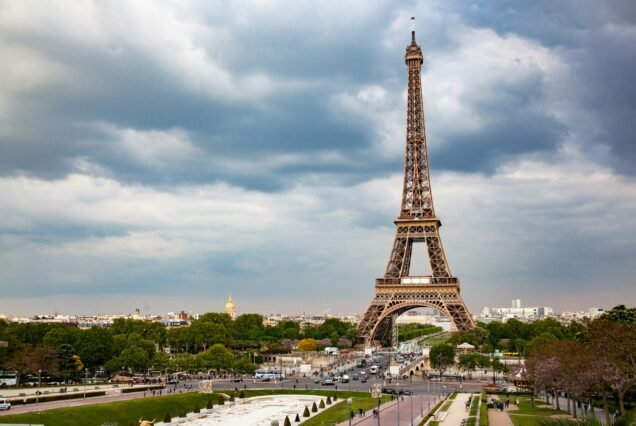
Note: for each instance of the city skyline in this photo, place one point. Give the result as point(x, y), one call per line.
point(162, 158)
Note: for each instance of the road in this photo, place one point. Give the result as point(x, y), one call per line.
point(416, 385)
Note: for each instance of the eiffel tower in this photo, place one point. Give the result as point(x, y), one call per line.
point(398, 291)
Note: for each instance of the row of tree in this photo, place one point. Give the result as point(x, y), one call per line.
point(64, 350)
point(601, 362)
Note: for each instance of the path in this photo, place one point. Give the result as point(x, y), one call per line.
point(421, 404)
point(457, 411)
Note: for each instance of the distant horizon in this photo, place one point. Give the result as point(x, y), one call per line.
point(144, 312)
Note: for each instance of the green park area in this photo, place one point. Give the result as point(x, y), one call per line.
point(126, 413)
point(530, 415)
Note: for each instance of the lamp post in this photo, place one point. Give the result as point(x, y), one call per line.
point(411, 397)
point(379, 411)
point(85, 381)
point(398, 410)
point(349, 400)
point(37, 394)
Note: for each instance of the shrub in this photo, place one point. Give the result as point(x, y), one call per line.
point(209, 405)
point(322, 403)
point(242, 395)
point(335, 397)
point(182, 414)
point(167, 418)
point(328, 400)
point(297, 419)
point(483, 414)
point(287, 422)
point(231, 398)
point(196, 409)
point(222, 401)
point(306, 412)
point(314, 408)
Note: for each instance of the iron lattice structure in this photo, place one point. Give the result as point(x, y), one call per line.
point(398, 291)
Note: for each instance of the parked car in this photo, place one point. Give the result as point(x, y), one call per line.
point(363, 379)
point(355, 377)
point(327, 382)
point(5, 404)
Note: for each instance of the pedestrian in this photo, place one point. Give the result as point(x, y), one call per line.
point(585, 406)
point(517, 402)
point(375, 413)
point(144, 394)
point(24, 401)
point(294, 387)
point(359, 412)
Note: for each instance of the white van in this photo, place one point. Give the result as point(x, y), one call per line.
point(5, 404)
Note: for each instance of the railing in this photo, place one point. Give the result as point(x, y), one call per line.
point(432, 281)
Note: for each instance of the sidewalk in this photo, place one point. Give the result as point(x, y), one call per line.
point(389, 412)
point(457, 411)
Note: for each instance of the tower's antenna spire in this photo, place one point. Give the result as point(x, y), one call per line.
point(413, 29)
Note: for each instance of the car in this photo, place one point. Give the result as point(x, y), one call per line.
point(5, 404)
point(236, 379)
point(355, 377)
point(436, 379)
point(327, 382)
point(316, 380)
point(363, 380)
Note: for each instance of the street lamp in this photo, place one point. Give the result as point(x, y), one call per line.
point(85, 380)
point(37, 394)
point(349, 401)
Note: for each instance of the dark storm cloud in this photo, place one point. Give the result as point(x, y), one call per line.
point(123, 85)
point(598, 40)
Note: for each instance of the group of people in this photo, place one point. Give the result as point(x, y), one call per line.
point(498, 404)
point(361, 413)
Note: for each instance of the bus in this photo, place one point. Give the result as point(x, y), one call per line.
point(265, 374)
point(8, 378)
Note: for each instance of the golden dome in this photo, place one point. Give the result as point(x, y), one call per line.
point(229, 305)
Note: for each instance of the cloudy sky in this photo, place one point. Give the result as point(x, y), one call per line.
point(161, 155)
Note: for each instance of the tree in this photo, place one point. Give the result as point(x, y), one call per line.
point(615, 345)
point(307, 345)
point(621, 314)
point(542, 340)
point(245, 366)
point(442, 356)
point(70, 365)
point(94, 346)
point(216, 358)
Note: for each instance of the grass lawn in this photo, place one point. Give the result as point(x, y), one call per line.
point(339, 413)
point(527, 415)
point(123, 412)
point(127, 413)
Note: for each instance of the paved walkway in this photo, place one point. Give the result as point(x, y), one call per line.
point(421, 404)
point(457, 411)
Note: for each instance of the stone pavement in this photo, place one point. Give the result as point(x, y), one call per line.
point(421, 404)
point(498, 418)
point(457, 411)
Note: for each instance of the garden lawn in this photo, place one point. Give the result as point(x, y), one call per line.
point(527, 415)
point(128, 412)
point(123, 413)
point(340, 412)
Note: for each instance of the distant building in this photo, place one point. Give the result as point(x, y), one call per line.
point(516, 311)
point(230, 308)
